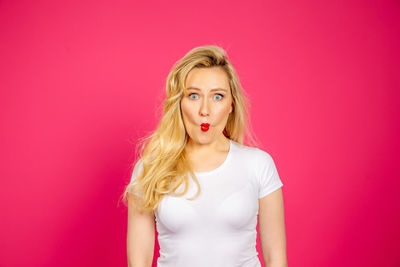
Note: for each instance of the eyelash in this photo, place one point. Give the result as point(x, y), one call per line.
point(222, 96)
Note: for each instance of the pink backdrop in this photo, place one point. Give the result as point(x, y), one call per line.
point(82, 80)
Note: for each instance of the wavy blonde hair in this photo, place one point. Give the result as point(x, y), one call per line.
point(164, 166)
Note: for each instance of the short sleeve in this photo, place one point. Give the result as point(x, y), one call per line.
point(135, 173)
point(268, 176)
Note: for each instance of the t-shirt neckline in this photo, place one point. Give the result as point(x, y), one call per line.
point(220, 166)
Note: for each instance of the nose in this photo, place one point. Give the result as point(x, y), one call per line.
point(204, 108)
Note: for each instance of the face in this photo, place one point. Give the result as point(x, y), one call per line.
point(208, 99)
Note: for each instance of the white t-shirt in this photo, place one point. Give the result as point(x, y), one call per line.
point(218, 228)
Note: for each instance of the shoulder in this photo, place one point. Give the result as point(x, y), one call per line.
point(258, 165)
point(137, 169)
point(254, 155)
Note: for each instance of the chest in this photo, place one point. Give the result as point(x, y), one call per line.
point(206, 163)
point(227, 203)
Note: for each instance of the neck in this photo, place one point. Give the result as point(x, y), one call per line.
point(220, 144)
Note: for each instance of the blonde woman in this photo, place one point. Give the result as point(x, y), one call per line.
point(198, 182)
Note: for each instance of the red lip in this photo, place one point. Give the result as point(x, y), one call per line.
point(205, 127)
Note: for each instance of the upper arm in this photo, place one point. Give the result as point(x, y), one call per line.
point(141, 232)
point(271, 212)
point(141, 235)
point(272, 228)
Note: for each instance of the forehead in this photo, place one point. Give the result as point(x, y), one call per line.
point(207, 78)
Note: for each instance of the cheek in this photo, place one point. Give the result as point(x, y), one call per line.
point(187, 113)
point(223, 113)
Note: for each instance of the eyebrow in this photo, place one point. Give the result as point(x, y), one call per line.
point(214, 89)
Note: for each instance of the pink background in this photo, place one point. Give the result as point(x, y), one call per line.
point(82, 80)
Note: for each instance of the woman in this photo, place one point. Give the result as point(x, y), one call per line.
point(199, 182)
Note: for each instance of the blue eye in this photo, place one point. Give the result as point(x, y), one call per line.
point(192, 94)
point(222, 96)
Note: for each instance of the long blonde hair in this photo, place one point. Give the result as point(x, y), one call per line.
point(164, 167)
